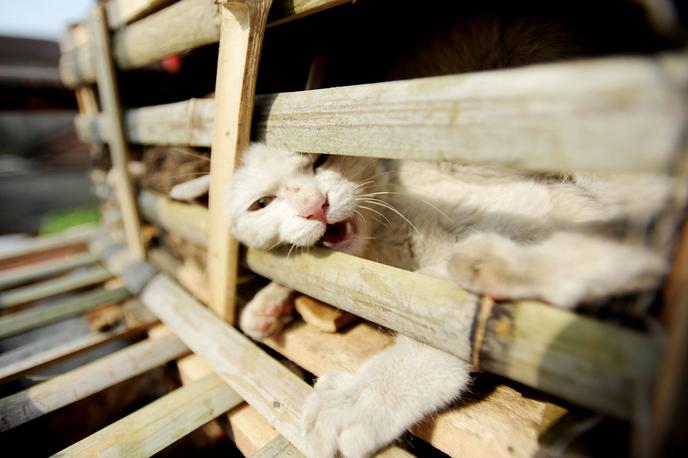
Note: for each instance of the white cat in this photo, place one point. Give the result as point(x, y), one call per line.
point(505, 233)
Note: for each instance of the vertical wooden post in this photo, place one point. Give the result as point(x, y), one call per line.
point(241, 37)
point(667, 427)
point(109, 97)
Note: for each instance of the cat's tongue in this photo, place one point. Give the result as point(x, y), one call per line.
point(338, 235)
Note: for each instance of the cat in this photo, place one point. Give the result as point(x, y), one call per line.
point(565, 239)
point(506, 233)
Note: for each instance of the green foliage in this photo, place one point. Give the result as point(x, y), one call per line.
point(59, 221)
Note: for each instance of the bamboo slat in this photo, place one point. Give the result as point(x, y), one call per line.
point(160, 423)
point(41, 246)
point(189, 221)
point(241, 39)
point(109, 97)
point(606, 115)
point(584, 361)
point(75, 280)
point(41, 353)
point(25, 274)
point(40, 316)
point(121, 12)
point(79, 383)
point(182, 26)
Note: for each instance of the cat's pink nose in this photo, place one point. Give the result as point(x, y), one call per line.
point(317, 211)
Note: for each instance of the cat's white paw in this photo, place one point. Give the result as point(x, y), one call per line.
point(267, 312)
point(346, 416)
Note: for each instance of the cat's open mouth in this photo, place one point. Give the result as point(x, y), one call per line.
point(338, 236)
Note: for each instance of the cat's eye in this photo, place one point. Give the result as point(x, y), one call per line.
point(320, 160)
point(261, 203)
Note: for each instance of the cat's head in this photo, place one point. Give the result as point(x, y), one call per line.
point(283, 197)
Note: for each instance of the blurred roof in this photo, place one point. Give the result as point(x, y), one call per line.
point(29, 61)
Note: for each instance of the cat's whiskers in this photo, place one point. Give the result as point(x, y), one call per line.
point(190, 153)
point(275, 245)
point(290, 250)
point(362, 217)
point(188, 174)
point(388, 206)
point(389, 223)
point(378, 193)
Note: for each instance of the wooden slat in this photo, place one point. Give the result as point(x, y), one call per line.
point(241, 38)
point(42, 246)
point(109, 97)
point(612, 114)
point(72, 281)
point(41, 352)
point(588, 362)
point(278, 447)
point(182, 26)
point(503, 424)
point(25, 274)
point(160, 423)
point(79, 383)
point(61, 309)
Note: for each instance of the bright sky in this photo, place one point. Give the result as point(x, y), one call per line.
point(40, 18)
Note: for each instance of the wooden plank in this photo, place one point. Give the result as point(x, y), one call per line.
point(25, 274)
point(241, 38)
point(277, 448)
point(74, 238)
point(611, 114)
point(160, 423)
point(504, 424)
point(49, 313)
point(272, 389)
point(322, 316)
point(72, 281)
point(79, 383)
point(182, 26)
point(109, 97)
point(41, 353)
point(588, 362)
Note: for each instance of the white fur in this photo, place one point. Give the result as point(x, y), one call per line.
point(500, 232)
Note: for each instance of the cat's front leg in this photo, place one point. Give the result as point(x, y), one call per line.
point(357, 414)
point(564, 269)
point(269, 310)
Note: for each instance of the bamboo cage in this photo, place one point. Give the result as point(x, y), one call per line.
point(605, 114)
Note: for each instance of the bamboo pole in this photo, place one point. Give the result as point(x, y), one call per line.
point(278, 447)
point(122, 12)
point(241, 38)
point(26, 274)
point(591, 363)
point(40, 316)
point(107, 88)
point(79, 383)
point(53, 287)
point(189, 221)
point(604, 115)
point(272, 389)
point(160, 423)
point(43, 352)
point(182, 26)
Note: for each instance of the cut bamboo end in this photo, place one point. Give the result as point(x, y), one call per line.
point(324, 317)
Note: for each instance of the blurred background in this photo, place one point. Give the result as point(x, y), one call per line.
point(44, 186)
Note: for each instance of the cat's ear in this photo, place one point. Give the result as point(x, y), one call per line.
point(190, 190)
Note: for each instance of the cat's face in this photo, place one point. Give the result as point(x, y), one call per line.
point(283, 197)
